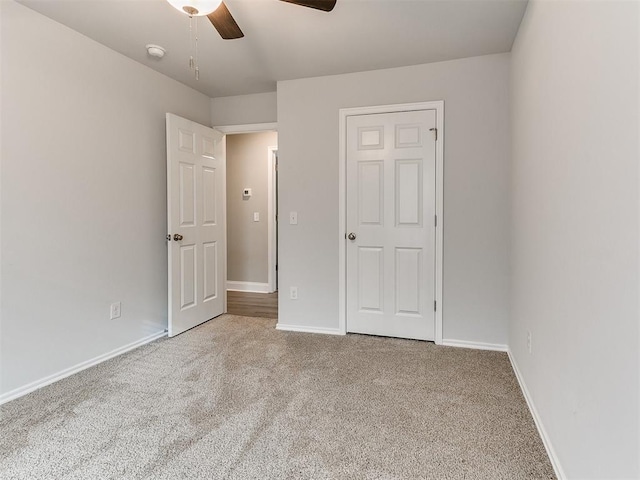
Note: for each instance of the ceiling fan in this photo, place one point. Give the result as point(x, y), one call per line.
point(218, 13)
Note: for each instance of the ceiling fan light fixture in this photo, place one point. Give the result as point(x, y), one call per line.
point(195, 8)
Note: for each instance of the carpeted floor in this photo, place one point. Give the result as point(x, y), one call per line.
point(236, 399)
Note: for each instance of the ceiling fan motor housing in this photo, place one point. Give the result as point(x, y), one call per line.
point(195, 8)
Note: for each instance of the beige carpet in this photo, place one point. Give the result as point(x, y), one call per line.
point(236, 399)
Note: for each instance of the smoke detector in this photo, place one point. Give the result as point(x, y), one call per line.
point(155, 51)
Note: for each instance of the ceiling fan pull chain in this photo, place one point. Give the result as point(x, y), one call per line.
point(197, 70)
point(191, 62)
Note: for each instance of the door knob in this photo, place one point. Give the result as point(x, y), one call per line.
point(351, 236)
point(177, 237)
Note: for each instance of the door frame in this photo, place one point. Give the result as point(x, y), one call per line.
point(343, 113)
point(271, 218)
point(272, 245)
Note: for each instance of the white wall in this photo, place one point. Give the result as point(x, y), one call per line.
point(244, 109)
point(476, 175)
point(248, 165)
point(83, 193)
point(575, 236)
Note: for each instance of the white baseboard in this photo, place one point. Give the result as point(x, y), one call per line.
point(555, 462)
point(43, 382)
point(298, 328)
point(255, 287)
point(475, 345)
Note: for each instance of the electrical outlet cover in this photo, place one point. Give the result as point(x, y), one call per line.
point(115, 310)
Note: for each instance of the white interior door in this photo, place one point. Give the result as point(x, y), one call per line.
point(196, 223)
point(391, 180)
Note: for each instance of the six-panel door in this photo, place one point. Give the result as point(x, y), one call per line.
point(195, 185)
point(391, 211)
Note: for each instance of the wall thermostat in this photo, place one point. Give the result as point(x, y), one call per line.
point(246, 192)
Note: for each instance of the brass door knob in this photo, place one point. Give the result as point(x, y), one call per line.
point(177, 237)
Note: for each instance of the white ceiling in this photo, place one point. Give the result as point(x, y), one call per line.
point(284, 41)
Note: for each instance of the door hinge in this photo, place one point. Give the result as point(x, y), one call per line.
point(435, 131)
point(435, 220)
point(435, 304)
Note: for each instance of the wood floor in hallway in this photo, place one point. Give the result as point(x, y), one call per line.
point(251, 304)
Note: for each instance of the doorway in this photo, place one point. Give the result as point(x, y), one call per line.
point(391, 196)
point(251, 204)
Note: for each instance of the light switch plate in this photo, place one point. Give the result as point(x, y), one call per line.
point(256, 216)
point(293, 218)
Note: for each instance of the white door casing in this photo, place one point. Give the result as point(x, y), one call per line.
point(272, 212)
point(393, 265)
point(196, 223)
point(272, 185)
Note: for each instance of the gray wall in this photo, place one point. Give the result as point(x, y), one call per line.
point(476, 176)
point(83, 192)
point(575, 104)
point(247, 166)
point(244, 109)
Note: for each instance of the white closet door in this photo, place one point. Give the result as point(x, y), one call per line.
point(391, 161)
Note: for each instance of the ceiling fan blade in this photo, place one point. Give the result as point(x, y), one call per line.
point(225, 24)
point(324, 5)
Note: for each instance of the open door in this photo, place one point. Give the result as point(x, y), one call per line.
point(196, 223)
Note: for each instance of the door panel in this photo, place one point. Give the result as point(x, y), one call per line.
point(408, 197)
point(371, 194)
point(408, 136)
point(210, 270)
point(187, 194)
point(209, 187)
point(187, 276)
point(195, 213)
point(187, 140)
point(391, 210)
point(371, 138)
point(371, 279)
point(408, 278)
